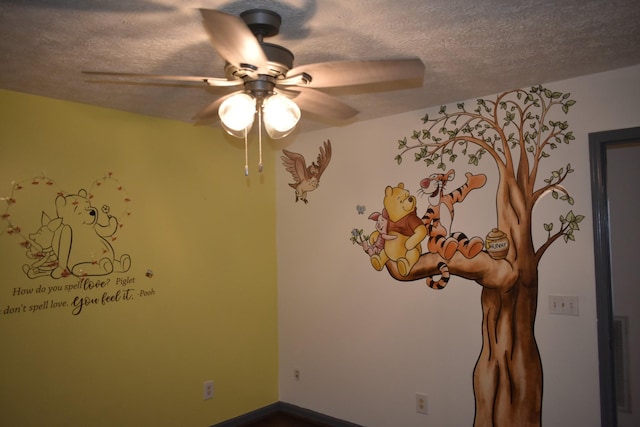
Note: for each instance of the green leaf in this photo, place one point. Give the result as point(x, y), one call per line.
point(554, 194)
point(548, 227)
point(399, 159)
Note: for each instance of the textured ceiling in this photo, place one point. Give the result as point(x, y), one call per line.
point(470, 48)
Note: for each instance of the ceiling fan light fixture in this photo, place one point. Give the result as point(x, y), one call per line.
point(280, 115)
point(237, 114)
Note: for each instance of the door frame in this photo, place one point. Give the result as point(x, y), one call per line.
point(598, 144)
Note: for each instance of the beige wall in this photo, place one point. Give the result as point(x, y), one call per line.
point(365, 343)
point(205, 231)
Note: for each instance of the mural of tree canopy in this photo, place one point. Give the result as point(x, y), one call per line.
point(516, 132)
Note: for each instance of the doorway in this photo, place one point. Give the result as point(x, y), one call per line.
point(614, 157)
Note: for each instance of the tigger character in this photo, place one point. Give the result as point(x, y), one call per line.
point(439, 221)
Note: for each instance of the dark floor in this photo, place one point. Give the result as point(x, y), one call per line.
point(280, 419)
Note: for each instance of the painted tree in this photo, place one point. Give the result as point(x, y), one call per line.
point(517, 133)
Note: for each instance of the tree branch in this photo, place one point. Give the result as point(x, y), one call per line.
point(486, 271)
point(542, 249)
point(550, 186)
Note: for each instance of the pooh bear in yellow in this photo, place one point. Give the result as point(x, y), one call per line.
point(404, 223)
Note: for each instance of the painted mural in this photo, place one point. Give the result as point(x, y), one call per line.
point(515, 133)
point(306, 178)
point(69, 244)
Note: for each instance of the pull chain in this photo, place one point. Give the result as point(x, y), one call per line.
point(260, 138)
point(246, 154)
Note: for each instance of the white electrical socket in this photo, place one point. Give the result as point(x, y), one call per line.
point(207, 391)
point(421, 403)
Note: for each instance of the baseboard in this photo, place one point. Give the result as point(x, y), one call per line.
point(314, 416)
point(286, 408)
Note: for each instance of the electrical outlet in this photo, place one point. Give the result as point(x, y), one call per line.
point(297, 375)
point(207, 391)
point(421, 403)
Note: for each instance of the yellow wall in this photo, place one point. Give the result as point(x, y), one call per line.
point(206, 232)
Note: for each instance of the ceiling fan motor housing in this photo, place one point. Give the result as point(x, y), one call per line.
point(264, 23)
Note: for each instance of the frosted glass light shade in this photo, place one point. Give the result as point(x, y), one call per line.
point(237, 114)
point(280, 116)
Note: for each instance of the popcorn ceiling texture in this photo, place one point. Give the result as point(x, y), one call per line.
point(470, 48)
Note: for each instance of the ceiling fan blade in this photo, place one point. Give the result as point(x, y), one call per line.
point(351, 73)
point(233, 40)
point(319, 103)
point(211, 81)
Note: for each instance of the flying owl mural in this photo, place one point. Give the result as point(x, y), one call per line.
point(306, 178)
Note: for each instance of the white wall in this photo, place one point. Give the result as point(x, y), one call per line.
point(366, 343)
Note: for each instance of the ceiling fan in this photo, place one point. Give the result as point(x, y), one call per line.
point(266, 82)
point(268, 85)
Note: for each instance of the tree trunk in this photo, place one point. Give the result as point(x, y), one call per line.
point(507, 378)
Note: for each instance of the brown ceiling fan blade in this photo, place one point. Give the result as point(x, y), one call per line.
point(233, 40)
point(351, 73)
point(211, 81)
point(319, 103)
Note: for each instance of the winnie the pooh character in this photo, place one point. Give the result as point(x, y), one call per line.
point(82, 247)
point(408, 228)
